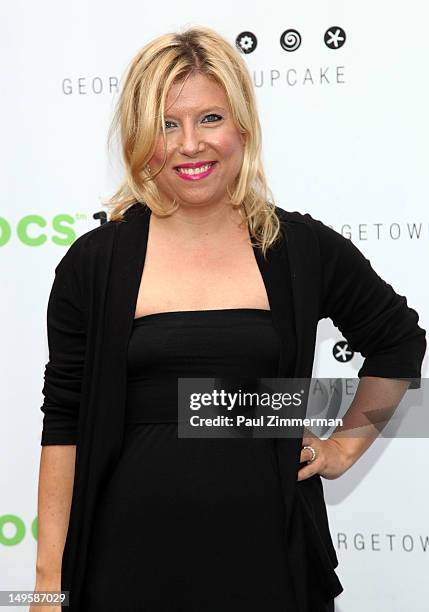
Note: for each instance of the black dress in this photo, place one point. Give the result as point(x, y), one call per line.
point(187, 524)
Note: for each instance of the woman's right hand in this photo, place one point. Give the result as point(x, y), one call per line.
point(49, 585)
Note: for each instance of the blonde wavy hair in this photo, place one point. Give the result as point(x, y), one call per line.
point(139, 117)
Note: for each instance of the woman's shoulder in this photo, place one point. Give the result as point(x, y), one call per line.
point(88, 245)
point(93, 238)
point(90, 250)
point(303, 230)
point(308, 225)
point(295, 216)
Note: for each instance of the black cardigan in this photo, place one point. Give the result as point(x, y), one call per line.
point(89, 320)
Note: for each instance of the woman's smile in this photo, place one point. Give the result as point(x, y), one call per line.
point(195, 174)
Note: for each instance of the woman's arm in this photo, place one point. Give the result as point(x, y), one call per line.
point(56, 474)
point(66, 330)
point(374, 403)
point(378, 323)
point(67, 337)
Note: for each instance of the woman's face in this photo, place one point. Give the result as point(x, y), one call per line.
point(199, 130)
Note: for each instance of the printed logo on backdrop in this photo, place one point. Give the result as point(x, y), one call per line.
point(13, 529)
point(411, 229)
point(290, 40)
point(95, 85)
point(35, 230)
point(246, 42)
point(335, 37)
point(342, 352)
point(387, 542)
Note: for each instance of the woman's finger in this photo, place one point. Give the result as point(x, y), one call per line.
point(309, 470)
point(306, 456)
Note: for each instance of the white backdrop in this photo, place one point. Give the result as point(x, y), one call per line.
point(345, 138)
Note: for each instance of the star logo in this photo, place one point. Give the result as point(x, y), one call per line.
point(335, 37)
point(342, 352)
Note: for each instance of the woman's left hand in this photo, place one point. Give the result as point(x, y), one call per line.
point(331, 459)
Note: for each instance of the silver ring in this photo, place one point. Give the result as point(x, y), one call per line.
point(313, 452)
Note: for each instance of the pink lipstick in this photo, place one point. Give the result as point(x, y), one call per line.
point(193, 172)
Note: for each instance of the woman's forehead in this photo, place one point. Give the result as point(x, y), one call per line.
point(197, 93)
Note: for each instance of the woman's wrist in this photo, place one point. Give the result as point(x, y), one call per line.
point(352, 448)
point(47, 577)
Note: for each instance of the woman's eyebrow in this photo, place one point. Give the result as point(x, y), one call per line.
point(201, 112)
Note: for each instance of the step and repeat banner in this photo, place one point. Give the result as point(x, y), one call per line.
point(342, 93)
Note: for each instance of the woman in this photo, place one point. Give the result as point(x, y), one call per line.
point(198, 274)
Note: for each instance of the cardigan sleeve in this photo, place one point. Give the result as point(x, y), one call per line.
point(66, 342)
point(376, 321)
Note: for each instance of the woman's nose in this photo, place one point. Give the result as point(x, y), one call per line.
point(191, 142)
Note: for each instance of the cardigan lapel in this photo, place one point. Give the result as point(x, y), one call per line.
point(287, 270)
point(113, 282)
point(295, 268)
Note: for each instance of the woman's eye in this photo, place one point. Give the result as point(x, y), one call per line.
point(218, 118)
point(213, 115)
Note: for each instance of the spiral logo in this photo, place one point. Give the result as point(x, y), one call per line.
point(290, 40)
